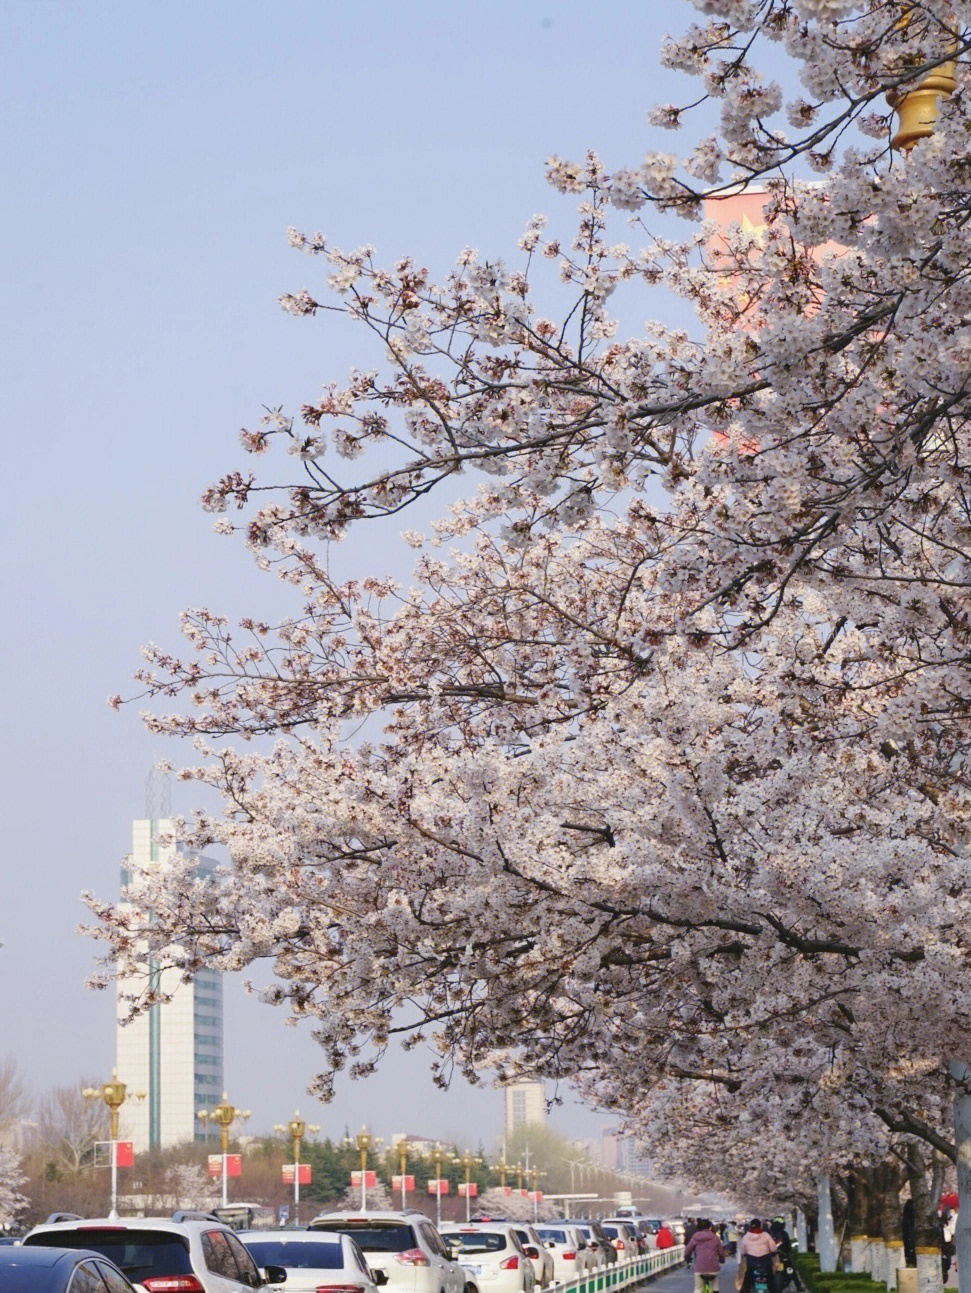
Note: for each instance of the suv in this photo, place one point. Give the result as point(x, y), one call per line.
point(597, 1240)
point(404, 1245)
point(189, 1252)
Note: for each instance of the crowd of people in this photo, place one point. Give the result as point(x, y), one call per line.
point(764, 1252)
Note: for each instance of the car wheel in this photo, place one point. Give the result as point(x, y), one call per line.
point(469, 1288)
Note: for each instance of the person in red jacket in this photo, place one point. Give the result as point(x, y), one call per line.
point(708, 1252)
point(664, 1238)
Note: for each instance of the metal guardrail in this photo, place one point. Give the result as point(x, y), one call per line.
point(622, 1275)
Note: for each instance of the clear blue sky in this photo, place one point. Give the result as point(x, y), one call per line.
point(152, 158)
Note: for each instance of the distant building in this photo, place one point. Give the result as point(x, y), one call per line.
point(525, 1106)
point(173, 1052)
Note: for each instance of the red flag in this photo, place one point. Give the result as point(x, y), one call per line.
point(124, 1153)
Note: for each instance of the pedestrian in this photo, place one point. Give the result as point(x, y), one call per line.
point(786, 1272)
point(664, 1237)
point(708, 1253)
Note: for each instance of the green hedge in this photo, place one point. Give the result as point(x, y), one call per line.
point(818, 1281)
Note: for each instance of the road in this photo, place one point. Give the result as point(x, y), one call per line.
point(682, 1280)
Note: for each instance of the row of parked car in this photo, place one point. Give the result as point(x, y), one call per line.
point(192, 1252)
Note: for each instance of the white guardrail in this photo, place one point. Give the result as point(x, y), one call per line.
point(624, 1274)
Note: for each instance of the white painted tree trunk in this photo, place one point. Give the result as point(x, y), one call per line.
point(858, 1253)
point(802, 1239)
point(962, 1143)
point(825, 1237)
point(878, 1261)
point(929, 1270)
point(895, 1262)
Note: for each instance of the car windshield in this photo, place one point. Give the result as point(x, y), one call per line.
point(553, 1236)
point(376, 1236)
point(477, 1241)
point(296, 1254)
point(140, 1254)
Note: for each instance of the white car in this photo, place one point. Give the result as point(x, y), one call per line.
point(536, 1251)
point(189, 1252)
point(622, 1238)
point(404, 1246)
point(571, 1256)
point(492, 1256)
point(318, 1261)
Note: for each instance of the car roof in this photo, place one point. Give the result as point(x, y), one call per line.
point(42, 1255)
point(469, 1228)
point(127, 1223)
point(408, 1217)
point(295, 1236)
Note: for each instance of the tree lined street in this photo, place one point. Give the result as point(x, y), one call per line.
point(653, 779)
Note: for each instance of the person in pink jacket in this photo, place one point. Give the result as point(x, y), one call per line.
point(757, 1248)
point(708, 1252)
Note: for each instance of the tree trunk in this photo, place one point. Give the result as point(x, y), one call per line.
point(890, 1230)
point(924, 1193)
point(875, 1263)
point(860, 1186)
point(962, 1143)
point(826, 1239)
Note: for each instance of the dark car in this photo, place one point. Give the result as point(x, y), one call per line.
point(58, 1270)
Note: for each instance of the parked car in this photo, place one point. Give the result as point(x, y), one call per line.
point(593, 1233)
point(319, 1261)
point(405, 1246)
point(539, 1255)
point(492, 1256)
point(622, 1238)
point(58, 1270)
point(189, 1252)
point(571, 1256)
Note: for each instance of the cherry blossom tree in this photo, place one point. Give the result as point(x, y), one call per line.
point(13, 1203)
point(662, 758)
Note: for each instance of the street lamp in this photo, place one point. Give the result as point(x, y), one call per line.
point(113, 1093)
point(225, 1114)
point(468, 1161)
point(402, 1148)
point(203, 1116)
point(436, 1155)
point(518, 1169)
point(363, 1142)
point(535, 1173)
point(296, 1128)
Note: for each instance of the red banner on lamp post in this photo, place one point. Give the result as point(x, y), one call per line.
point(470, 1191)
point(409, 1183)
point(370, 1180)
point(124, 1153)
point(438, 1185)
point(303, 1173)
point(234, 1165)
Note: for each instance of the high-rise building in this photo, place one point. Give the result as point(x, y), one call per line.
point(174, 1051)
point(525, 1106)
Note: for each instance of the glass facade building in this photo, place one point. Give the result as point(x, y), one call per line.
point(173, 1052)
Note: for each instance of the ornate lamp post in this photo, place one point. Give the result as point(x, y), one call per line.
point(436, 1155)
point(518, 1169)
point(468, 1160)
point(113, 1093)
point(402, 1149)
point(535, 1174)
point(224, 1115)
point(296, 1128)
point(363, 1142)
point(203, 1116)
point(916, 105)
